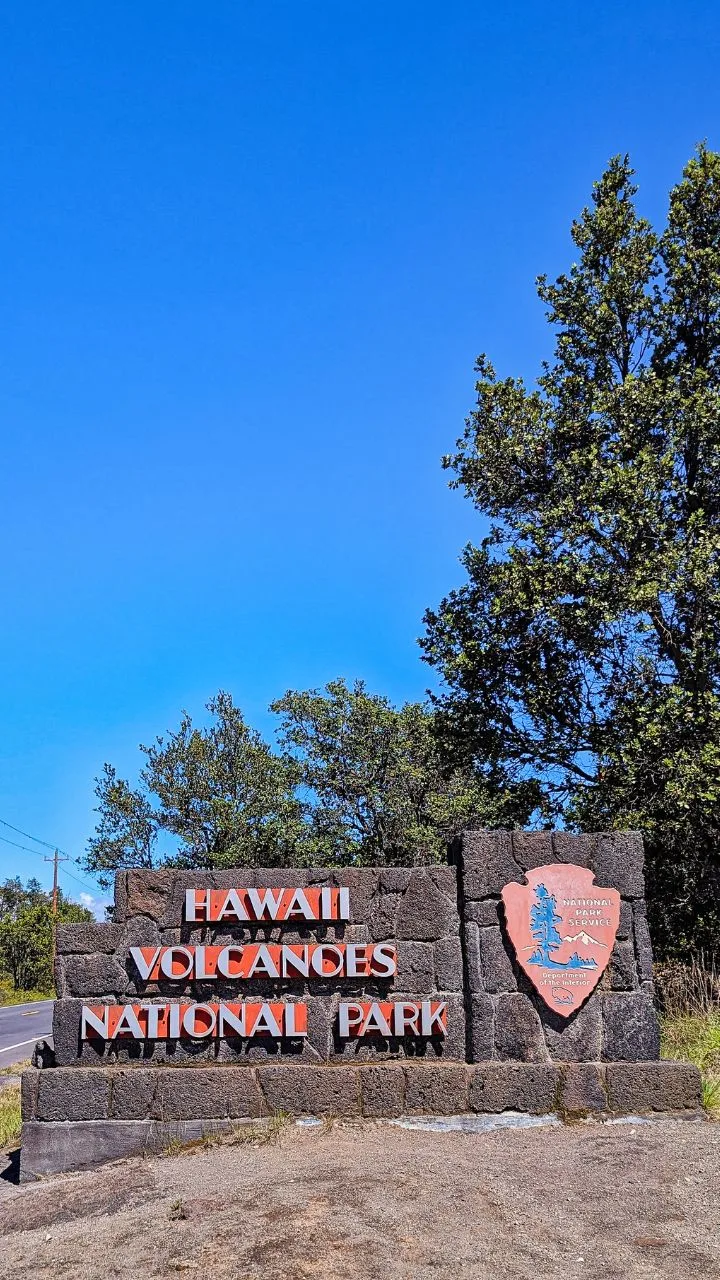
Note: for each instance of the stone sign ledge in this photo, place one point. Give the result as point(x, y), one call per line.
point(75, 1118)
point(75, 1095)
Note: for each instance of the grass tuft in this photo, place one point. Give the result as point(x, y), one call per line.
point(689, 997)
point(9, 996)
point(262, 1133)
point(711, 1095)
point(265, 1134)
point(15, 1068)
point(10, 1119)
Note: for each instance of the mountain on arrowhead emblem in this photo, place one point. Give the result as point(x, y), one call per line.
point(562, 926)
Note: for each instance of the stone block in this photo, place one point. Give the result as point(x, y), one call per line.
point(132, 1094)
point(160, 895)
point(356, 933)
point(235, 1052)
point(134, 1052)
point(29, 1084)
point(577, 1038)
point(481, 1027)
point(198, 1093)
point(395, 879)
point(244, 1098)
point(149, 894)
point(120, 897)
point(583, 1087)
point(487, 912)
point(364, 884)
point(86, 939)
point(425, 913)
point(66, 1032)
point(487, 863)
point(319, 1091)
point(518, 1030)
point(653, 1086)
point(455, 1043)
point(73, 1094)
point(383, 1090)
point(52, 1147)
point(381, 917)
point(415, 967)
point(532, 849)
point(643, 945)
point(367, 1049)
point(622, 970)
point(231, 878)
point(515, 1086)
point(618, 862)
point(436, 1090)
point(631, 1031)
point(474, 974)
point(578, 849)
point(319, 875)
point(448, 964)
point(322, 1011)
point(445, 879)
point(141, 931)
point(270, 877)
point(625, 927)
point(90, 976)
point(495, 963)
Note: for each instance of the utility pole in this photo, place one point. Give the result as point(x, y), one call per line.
point(55, 860)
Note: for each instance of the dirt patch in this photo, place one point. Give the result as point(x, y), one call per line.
point(373, 1202)
point(46, 1204)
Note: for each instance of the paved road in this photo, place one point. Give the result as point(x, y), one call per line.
point(20, 1026)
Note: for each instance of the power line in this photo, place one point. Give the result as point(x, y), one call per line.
point(14, 843)
point(65, 872)
point(36, 839)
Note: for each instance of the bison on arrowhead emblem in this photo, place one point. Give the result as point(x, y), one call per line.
point(562, 926)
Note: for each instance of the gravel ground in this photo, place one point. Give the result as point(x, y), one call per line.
point(362, 1200)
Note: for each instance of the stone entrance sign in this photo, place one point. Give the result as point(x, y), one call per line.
point(518, 976)
point(315, 966)
point(563, 931)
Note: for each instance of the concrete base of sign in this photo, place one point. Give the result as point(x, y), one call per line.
point(75, 1117)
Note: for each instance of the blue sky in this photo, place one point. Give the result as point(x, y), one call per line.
point(250, 252)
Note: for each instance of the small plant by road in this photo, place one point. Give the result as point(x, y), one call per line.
point(689, 996)
point(10, 1120)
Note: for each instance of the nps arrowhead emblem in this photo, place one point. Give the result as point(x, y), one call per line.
point(562, 926)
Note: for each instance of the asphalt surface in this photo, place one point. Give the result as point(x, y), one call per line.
point(20, 1026)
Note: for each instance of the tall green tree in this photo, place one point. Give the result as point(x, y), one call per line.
point(375, 786)
point(583, 646)
point(26, 932)
point(209, 796)
point(356, 780)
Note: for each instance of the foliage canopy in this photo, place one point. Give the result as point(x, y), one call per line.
point(583, 647)
point(217, 795)
point(356, 780)
point(26, 932)
point(376, 787)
